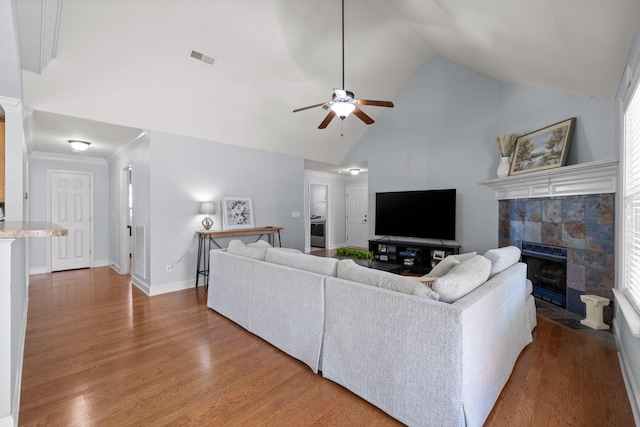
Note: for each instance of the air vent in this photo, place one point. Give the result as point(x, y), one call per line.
point(202, 57)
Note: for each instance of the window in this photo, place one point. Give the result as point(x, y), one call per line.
point(631, 200)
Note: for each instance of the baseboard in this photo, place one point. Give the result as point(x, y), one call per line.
point(172, 287)
point(38, 270)
point(627, 375)
point(144, 287)
point(101, 263)
point(8, 422)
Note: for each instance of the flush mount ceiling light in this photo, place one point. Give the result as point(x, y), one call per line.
point(78, 145)
point(354, 171)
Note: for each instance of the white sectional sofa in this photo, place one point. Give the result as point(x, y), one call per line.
point(423, 361)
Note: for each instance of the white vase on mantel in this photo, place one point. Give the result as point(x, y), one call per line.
point(503, 167)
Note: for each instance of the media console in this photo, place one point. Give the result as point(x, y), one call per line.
point(409, 257)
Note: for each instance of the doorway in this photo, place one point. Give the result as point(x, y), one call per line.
point(126, 220)
point(319, 216)
point(71, 206)
point(357, 216)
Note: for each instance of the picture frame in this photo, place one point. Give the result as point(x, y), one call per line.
point(237, 212)
point(545, 148)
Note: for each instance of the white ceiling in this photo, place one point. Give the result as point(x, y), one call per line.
point(127, 62)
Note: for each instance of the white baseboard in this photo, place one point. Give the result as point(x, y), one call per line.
point(8, 422)
point(143, 286)
point(101, 263)
point(172, 287)
point(37, 270)
point(627, 374)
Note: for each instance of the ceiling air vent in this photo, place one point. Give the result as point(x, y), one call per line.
point(202, 57)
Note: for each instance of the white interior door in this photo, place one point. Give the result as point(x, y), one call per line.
point(71, 208)
point(357, 216)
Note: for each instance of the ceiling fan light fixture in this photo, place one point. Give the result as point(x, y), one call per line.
point(354, 171)
point(342, 109)
point(77, 145)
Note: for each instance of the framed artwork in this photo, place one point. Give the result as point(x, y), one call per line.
point(543, 149)
point(237, 212)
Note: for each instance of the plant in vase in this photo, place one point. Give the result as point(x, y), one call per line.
point(505, 144)
point(361, 256)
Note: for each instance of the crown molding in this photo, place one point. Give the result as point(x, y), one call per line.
point(597, 177)
point(67, 157)
point(142, 137)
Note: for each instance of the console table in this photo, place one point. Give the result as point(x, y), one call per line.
point(206, 237)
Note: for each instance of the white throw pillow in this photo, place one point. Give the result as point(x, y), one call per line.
point(502, 258)
point(237, 247)
point(444, 266)
point(259, 244)
point(462, 279)
point(349, 270)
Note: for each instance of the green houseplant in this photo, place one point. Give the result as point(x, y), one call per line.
point(365, 257)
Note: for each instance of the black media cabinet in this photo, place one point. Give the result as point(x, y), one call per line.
point(408, 257)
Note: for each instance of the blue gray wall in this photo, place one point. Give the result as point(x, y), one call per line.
point(441, 135)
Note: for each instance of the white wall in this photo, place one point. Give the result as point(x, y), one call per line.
point(441, 135)
point(38, 210)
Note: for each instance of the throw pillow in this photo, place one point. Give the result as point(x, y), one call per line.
point(349, 270)
point(462, 279)
point(444, 266)
point(502, 258)
point(260, 244)
point(237, 247)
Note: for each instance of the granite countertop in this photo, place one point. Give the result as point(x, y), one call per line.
point(14, 229)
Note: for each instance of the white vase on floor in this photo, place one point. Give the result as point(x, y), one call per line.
point(503, 167)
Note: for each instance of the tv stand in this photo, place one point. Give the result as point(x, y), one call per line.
point(401, 256)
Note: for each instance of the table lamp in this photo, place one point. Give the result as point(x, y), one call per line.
point(207, 208)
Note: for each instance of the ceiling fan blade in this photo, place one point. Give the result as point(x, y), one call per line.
point(375, 103)
point(327, 119)
point(310, 106)
point(362, 116)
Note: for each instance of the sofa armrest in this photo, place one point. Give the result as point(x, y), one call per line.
point(399, 352)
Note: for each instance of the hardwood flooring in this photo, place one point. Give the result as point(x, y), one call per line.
point(100, 352)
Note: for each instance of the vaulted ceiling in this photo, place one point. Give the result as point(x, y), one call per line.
point(127, 62)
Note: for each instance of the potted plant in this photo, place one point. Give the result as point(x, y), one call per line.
point(361, 256)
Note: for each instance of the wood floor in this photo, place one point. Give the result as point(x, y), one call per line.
point(99, 352)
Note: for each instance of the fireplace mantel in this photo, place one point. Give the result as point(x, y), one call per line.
point(597, 177)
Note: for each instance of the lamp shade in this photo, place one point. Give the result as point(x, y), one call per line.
point(207, 208)
point(343, 109)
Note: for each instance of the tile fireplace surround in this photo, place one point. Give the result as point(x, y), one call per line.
point(574, 207)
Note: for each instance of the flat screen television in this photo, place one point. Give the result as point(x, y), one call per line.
point(429, 214)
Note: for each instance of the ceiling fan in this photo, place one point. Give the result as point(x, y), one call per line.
point(343, 102)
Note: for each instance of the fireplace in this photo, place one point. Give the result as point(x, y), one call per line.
point(547, 270)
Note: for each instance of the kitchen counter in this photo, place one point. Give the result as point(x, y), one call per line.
point(15, 229)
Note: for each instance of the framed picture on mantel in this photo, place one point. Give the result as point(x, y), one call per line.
point(543, 149)
point(237, 212)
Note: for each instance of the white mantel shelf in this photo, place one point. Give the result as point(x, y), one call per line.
point(599, 177)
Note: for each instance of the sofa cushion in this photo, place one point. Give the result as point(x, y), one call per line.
point(238, 247)
point(444, 266)
point(502, 258)
point(462, 279)
point(315, 264)
point(259, 244)
point(349, 270)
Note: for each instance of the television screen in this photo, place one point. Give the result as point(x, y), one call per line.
point(429, 214)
